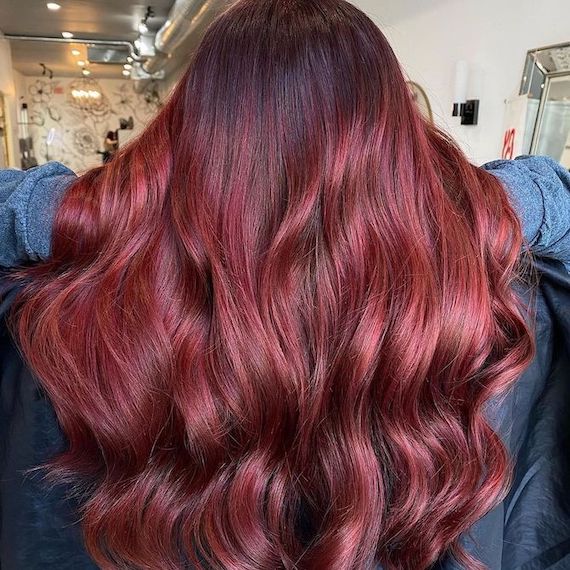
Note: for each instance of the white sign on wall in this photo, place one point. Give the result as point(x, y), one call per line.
point(516, 109)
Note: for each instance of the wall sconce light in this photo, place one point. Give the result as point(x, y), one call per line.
point(467, 109)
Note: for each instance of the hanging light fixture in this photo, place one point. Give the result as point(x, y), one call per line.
point(86, 94)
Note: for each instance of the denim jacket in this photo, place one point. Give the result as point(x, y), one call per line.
point(539, 189)
point(28, 202)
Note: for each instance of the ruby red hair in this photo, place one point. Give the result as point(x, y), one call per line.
point(270, 325)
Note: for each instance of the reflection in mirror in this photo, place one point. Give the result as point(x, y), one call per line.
point(553, 134)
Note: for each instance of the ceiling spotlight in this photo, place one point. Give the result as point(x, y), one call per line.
point(53, 6)
point(128, 66)
point(67, 35)
point(85, 72)
point(81, 63)
point(126, 72)
point(75, 52)
point(143, 28)
point(130, 59)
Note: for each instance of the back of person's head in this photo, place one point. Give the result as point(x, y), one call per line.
point(270, 326)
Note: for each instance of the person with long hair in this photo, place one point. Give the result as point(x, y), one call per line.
point(289, 326)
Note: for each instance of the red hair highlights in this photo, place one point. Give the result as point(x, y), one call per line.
point(270, 326)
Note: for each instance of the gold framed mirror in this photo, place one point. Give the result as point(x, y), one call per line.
point(421, 99)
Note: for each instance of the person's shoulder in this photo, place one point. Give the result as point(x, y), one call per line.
point(19, 182)
point(527, 168)
point(52, 168)
point(522, 161)
point(28, 202)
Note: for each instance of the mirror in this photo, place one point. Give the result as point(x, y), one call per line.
point(421, 99)
point(546, 82)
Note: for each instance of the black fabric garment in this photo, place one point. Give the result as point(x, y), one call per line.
point(529, 530)
point(537, 525)
point(38, 525)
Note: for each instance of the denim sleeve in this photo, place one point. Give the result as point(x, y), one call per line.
point(539, 189)
point(28, 202)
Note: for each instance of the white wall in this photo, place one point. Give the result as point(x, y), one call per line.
point(8, 88)
point(493, 36)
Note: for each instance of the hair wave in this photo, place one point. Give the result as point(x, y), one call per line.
point(271, 325)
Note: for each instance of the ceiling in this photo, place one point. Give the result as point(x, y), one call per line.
point(86, 19)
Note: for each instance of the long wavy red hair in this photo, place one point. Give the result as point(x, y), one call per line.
point(270, 326)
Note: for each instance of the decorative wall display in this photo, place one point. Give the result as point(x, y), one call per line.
point(69, 118)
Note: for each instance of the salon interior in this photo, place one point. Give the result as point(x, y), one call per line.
point(79, 78)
